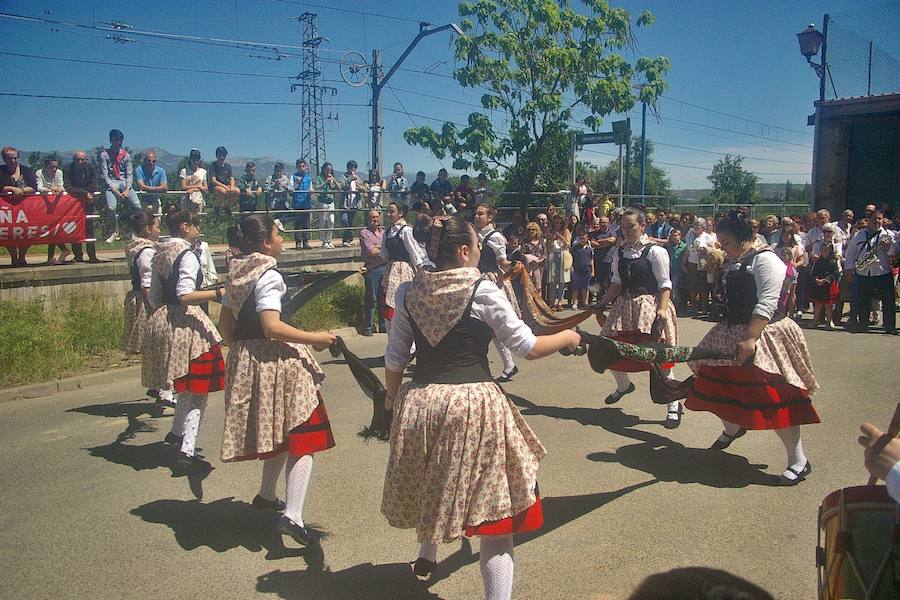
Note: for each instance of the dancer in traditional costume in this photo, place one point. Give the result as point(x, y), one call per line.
point(139, 252)
point(404, 255)
point(273, 409)
point(463, 461)
point(640, 293)
point(767, 385)
point(181, 346)
point(493, 263)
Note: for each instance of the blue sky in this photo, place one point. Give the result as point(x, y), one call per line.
point(739, 58)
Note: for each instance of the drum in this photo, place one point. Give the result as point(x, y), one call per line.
point(859, 557)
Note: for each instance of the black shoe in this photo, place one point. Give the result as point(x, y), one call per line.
point(891, 332)
point(504, 377)
point(674, 422)
point(191, 464)
point(298, 533)
point(721, 444)
point(173, 439)
point(153, 394)
point(617, 395)
point(801, 475)
point(423, 567)
point(263, 504)
point(367, 332)
point(163, 402)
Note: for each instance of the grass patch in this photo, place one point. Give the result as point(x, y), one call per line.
point(338, 306)
point(41, 344)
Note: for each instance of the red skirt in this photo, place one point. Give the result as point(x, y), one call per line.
point(750, 397)
point(314, 435)
point(629, 365)
point(529, 519)
point(206, 373)
point(823, 294)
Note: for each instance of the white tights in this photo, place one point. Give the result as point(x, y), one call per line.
point(297, 473)
point(272, 468)
point(194, 406)
point(178, 420)
point(497, 566)
point(623, 381)
point(789, 436)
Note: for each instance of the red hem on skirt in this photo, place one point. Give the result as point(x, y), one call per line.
point(530, 519)
point(313, 435)
point(750, 397)
point(629, 365)
point(206, 373)
point(388, 313)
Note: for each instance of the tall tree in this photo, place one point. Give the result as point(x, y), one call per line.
point(732, 184)
point(539, 60)
point(656, 183)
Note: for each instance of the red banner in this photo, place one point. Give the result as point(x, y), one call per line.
point(41, 219)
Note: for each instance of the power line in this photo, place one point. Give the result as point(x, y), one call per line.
point(167, 100)
point(789, 162)
point(413, 121)
point(659, 162)
point(725, 114)
point(349, 11)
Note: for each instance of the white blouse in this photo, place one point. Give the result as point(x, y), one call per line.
point(417, 254)
point(268, 292)
point(768, 273)
point(659, 262)
point(497, 242)
point(187, 280)
point(144, 267)
point(490, 306)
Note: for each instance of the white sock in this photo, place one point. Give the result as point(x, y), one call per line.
point(506, 356)
point(178, 421)
point(497, 566)
point(195, 405)
point(168, 395)
point(790, 437)
point(272, 468)
point(298, 470)
point(428, 551)
point(674, 407)
point(622, 380)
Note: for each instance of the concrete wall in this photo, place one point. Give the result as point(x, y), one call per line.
point(54, 285)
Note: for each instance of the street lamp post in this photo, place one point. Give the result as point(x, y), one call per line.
point(811, 40)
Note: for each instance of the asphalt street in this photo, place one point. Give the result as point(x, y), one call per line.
point(91, 509)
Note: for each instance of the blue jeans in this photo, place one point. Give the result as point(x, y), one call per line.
point(132, 204)
point(373, 295)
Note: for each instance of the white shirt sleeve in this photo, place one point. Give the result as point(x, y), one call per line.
point(400, 338)
point(187, 274)
point(614, 269)
point(497, 243)
point(416, 254)
point(659, 262)
point(768, 274)
point(145, 269)
point(491, 306)
point(269, 290)
point(893, 482)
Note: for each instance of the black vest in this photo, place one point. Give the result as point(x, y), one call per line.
point(249, 325)
point(488, 261)
point(460, 357)
point(135, 272)
point(169, 285)
point(395, 247)
point(637, 274)
point(741, 293)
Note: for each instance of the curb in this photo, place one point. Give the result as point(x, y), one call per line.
point(77, 382)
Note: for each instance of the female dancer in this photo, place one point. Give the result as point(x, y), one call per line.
point(463, 460)
point(642, 291)
point(493, 262)
point(273, 410)
point(404, 256)
point(181, 345)
point(139, 252)
point(768, 384)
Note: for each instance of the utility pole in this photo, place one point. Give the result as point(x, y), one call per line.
point(643, 146)
point(378, 83)
point(312, 119)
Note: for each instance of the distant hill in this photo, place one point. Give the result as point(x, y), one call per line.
point(766, 190)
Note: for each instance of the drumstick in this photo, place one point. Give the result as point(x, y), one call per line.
point(893, 430)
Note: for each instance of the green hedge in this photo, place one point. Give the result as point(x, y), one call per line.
point(338, 306)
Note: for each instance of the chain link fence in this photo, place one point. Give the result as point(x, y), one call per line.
point(864, 52)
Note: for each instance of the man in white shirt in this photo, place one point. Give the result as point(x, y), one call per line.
point(843, 226)
point(874, 280)
point(50, 181)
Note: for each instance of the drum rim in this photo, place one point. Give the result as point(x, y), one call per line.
point(860, 494)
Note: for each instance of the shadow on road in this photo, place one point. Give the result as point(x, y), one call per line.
point(656, 455)
point(223, 525)
point(372, 582)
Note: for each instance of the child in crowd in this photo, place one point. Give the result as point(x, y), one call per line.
point(788, 298)
point(582, 270)
point(676, 248)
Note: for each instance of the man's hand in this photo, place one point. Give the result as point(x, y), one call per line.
point(882, 451)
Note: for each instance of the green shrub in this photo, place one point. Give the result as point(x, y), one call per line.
point(338, 306)
point(41, 344)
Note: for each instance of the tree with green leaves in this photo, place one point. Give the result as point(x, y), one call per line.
point(656, 183)
point(537, 62)
point(732, 184)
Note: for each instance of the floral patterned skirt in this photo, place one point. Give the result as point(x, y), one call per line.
point(136, 312)
point(175, 336)
point(462, 456)
point(396, 273)
point(272, 390)
point(631, 320)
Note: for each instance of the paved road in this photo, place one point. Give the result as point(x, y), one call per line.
point(91, 509)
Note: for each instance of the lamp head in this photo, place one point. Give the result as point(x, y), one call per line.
point(810, 40)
